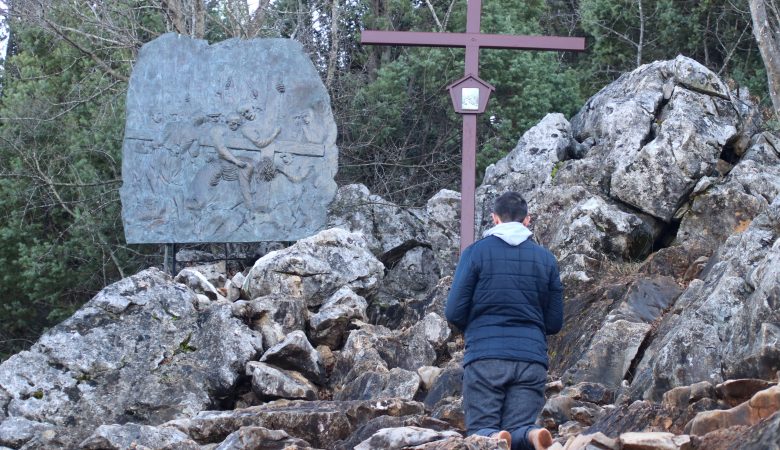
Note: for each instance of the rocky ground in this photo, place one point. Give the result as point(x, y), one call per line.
point(660, 199)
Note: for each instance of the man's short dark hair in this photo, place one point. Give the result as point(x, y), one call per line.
point(511, 207)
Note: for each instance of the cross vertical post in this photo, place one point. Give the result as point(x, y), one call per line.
point(472, 40)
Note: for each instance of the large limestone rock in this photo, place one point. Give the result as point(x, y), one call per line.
point(321, 423)
point(403, 437)
point(663, 125)
point(330, 325)
point(316, 267)
point(442, 226)
point(722, 206)
point(259, 438)
point(120, 437)
point(726, 325)
point(138, 351)
point(385, 226)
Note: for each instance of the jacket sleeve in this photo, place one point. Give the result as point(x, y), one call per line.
point(459, 299)
point(553, 313)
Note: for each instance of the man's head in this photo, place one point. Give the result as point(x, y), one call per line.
point(247, 112)
point(233, 121)
point(510, 207)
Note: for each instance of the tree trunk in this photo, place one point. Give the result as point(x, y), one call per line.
point(334, 43)
point(767, 33)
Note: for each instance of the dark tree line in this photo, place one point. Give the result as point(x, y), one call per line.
point(65, 79)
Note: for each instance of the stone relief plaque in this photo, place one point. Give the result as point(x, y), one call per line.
point(231, 142)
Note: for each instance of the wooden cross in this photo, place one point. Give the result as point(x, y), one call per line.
point(472, 40)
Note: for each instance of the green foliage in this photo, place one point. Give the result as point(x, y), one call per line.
point(405, 139)
point(61, 240)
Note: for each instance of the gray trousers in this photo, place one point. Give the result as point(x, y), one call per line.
point(506, 395)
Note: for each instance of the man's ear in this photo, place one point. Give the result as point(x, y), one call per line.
point(527, 220)
point(496, 219)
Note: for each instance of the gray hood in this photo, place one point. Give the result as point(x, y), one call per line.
point(513, 233)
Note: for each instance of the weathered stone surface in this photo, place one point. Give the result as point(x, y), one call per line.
point(723, 326)
point(610, 354)
point(654, 441)
point(371, 427)
point(296, 353)
point(233, 287)
point(584, 315)
point(384, 225)
point(240, 154)
point(442, 226)
point(638, 416)
point(532, 160)
point(15, 431)
point(590, 392)
point(137, 351)
point(359, 355)
point(428, 375)
point(259, 438)
point(330, 325)
point(680, 397)
point(668, 138)
point(131, 435)
point(735, 392)
point(762, 405)
point(321, 423)
point(413, 275)
point(198, 282)
point(473, 442)
point(403, 437)
point(646, 299)
point(592, 441)
point(269, 382)
point(448, 384)
point(396, 383)
point(273, 316)
point(763, 436)
point(316, 267)
point(450, 410)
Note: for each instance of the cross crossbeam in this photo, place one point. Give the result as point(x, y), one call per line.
point(472, 40)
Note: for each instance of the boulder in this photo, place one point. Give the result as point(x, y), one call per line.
point(259, 438)
point(384, 225)
point(321, 423)
point(724, 326)
point(269, 382)
point(296, 353)
point(442, 227)
point(664, 125)
point(402, 437)
point(472, 442)
point(330, 325)
point(273, 316)
point(735, 392)
point(654, 441)
point(371, 427)
point(198, 282)
point(762, 405)
point(131, 435)
point(610, 355)
point(316, 267)
point(396, 383)
point(15, 431)
point(138, 351)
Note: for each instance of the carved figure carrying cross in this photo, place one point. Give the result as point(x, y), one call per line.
point(472, 40)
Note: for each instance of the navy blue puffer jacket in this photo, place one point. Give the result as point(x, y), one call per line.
point(506, 298)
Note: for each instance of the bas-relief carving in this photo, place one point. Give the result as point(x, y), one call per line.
point(232, 142)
